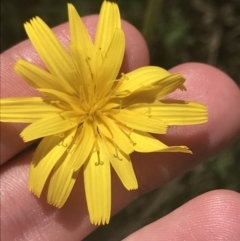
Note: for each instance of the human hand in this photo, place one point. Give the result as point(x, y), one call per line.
point(215, 214)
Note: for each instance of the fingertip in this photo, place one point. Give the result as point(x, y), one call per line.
point(136, 54)
point(212, 87)
point(212, 216)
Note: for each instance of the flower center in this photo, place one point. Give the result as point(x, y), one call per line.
point(92, 112)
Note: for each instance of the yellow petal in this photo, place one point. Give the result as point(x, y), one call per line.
point(170, 84)
point(141, 122)
point(85, 70)
point(145, 142)
point(82, 51)
point(141, 96)
point(174, 112)
point(36, 76)
point(82, 147)
point(66, 98)
point(97, 182)
point(25, 109)
point(51, 125)
point(54, 56)
point(103, 128)
point(61, 183)
point(159, 89)
point(112, 62)
point(48, 153)
point(78, 32)
point(109, 21)
point(113, 132)
point(112, 104)
point(122, 164)
point(142, 77)
point(182, 112)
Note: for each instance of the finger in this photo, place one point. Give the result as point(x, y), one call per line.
point(152, 170)
point(209, 85)
point(13, 85)
point(211, 216)
point(221, 95)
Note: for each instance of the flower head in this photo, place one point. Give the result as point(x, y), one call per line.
point(89, 118)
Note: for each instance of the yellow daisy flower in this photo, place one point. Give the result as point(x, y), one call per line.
point(89, 118)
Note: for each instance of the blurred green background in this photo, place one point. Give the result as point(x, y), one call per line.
point(176, 31)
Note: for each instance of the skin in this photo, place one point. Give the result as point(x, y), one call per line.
point(212, 216)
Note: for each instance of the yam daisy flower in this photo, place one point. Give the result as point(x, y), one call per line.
point(89, 118)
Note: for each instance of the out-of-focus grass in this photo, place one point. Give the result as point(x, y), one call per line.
point(176, 31)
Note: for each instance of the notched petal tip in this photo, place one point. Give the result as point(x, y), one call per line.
point(97, 182)
point(31, 189)
point(61, 183)
point(109, 21)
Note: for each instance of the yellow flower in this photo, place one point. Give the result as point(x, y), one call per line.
point(88, 117)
